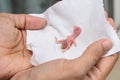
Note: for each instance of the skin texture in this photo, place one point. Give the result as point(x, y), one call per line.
point(14, 57)
point(90, 66)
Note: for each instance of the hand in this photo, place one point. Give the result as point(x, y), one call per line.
point(14, 56)
point(90, 66)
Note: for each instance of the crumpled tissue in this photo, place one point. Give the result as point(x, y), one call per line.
point(61, 19)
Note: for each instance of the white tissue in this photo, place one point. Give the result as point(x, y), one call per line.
point(61, 19)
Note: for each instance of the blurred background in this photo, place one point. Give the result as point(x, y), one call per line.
point(38, 6)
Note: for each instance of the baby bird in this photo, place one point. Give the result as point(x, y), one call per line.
point(66, 43)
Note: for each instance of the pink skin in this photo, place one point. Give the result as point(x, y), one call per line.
point(66, 43)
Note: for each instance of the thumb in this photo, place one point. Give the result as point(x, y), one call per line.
point(24, 21)
point(93, 54)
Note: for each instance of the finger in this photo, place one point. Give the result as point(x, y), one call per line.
point(24, 21)
point(92, 55)
point(106, 64)
point(111, 21)
point(106, 14)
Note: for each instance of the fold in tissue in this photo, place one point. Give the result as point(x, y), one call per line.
point(61, 19)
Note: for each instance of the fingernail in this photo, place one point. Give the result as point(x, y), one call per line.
point(107, 45)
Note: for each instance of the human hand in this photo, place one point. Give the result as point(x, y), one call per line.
point(14, 56)
point(90, 66)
